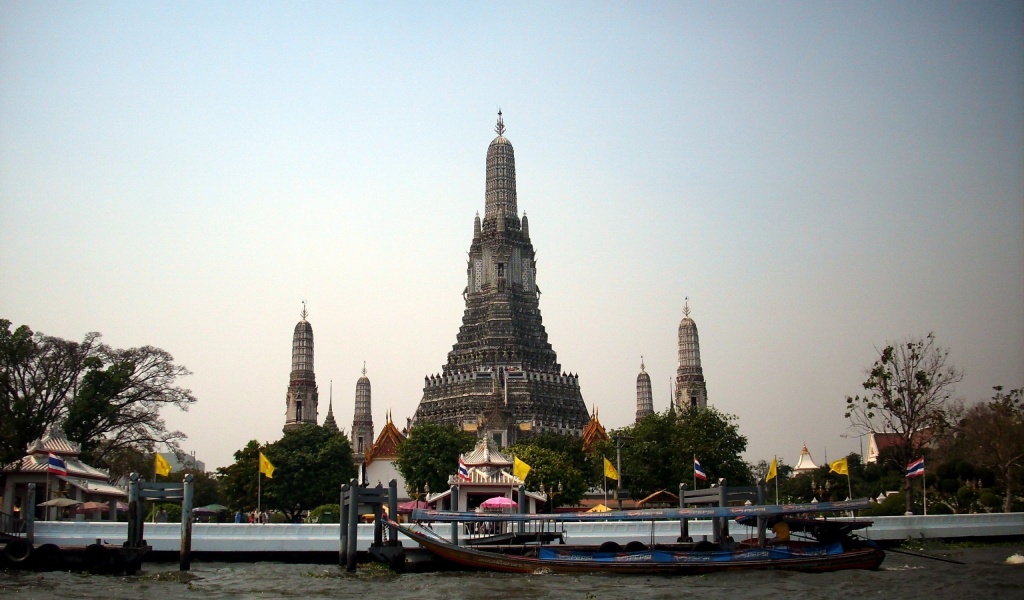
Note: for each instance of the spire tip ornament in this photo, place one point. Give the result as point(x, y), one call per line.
point(500, 127)
point(686, 307)
point(304, 312)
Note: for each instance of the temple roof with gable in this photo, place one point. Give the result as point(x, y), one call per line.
point(386, 446)
point(594, 432)
point(54, 441)
point(486, 454)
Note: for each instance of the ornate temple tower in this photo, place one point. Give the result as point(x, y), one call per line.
point(502, 377)
point(691, 391)
point(644, 396)
point(362, 420)
point(302, 394)
point(329, 423)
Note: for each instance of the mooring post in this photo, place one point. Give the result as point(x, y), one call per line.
point(185, 559)
point(455, 508)
point(762, 521)
point(684, 523)
point(523, 501)
point(723, 501)
point(29, 511)
point(378, 509)
point(393, 510)
point(343, 525)
point(134, 535)
point(353, 525)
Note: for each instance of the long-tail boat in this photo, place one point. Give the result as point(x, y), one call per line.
point(830, 547)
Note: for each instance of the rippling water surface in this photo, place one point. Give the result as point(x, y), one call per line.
point(986, 575)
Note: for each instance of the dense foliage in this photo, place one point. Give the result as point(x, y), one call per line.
point(658, 452)
point(107, 400)
point(310, 464)
point(431, 454)
point(552, 470)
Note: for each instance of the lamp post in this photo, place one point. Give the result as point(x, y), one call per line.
point(619, 490)
point(860, 443)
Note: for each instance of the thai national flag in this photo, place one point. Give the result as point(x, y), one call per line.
point(698, 472)
point(916, 468)
point(463, 470)
point(55, 465)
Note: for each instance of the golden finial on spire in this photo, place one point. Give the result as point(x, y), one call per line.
point(304, 312)
point(686, 307)
point(642, 362)
point(500, 127)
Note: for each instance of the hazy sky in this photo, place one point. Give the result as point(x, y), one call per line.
point(818, 178)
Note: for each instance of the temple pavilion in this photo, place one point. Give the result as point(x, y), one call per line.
point(82, 483)
point(488, 476)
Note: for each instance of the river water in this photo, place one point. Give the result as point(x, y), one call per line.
point(985, 576)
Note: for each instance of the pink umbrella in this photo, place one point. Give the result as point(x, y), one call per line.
point(498, 502)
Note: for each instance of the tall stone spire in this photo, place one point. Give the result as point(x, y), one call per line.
point(362, 420)
point(302, 395)
point(644, 395)
point(500, 199)
point(502, 376)
point(691, 390)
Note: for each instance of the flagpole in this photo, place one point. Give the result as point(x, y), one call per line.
point(924, 492)
point(695, 472)
point(775, 459)
point(259, 492)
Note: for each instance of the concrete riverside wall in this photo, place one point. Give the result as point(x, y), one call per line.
point(231, 537)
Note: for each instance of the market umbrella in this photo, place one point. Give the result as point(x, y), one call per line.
point(61, 502)
point(210, 509)
point(405, 508)
point(599, 509)
point(498, 502)
point(214, 507)
point(89, 506)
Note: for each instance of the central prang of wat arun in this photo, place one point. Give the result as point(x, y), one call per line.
point(502, 379)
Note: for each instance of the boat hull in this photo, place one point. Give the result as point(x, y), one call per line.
point(647, 562)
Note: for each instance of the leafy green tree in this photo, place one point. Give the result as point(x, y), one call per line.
point(658, 452)
point(431, 454)
point(238, 484)
point(908, 392)
point(554, 470)
point(571, 447)
point(310, 464)
point(106, 399)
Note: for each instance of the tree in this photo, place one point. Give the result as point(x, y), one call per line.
point(238, 484)
point(119, 406)
point(38, 374)
point(310, 464)
point(571, 447)
point(106, 399)
point(430, 454)
point(992, 436)
point(908, 392)
point(554, 470)
point(659, 450)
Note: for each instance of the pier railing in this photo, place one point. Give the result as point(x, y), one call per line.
point(11, 526)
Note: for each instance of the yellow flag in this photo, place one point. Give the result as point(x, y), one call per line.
point(265, 467)
point(773, 470)
point(609, 470)
point(840, 467)
point(162, 467)
point(520, 469)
